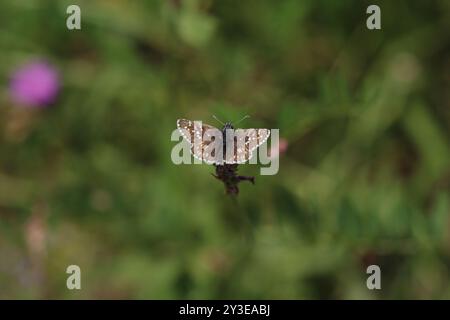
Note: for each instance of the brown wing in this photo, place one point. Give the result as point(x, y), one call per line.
point(245, 142)
point(201, 137)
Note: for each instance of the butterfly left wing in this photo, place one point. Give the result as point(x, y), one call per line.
point(200, 138)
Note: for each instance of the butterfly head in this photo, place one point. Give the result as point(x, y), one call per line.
point(228, 125)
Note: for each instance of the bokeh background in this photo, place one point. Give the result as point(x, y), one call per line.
point(364, 178)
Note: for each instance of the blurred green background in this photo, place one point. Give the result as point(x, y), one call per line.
point(365, 178)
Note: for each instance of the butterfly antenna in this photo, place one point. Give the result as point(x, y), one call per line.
point(247, 116)
point(218, 120)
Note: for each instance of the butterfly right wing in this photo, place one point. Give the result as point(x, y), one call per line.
point(245, 142)
point(200, 138)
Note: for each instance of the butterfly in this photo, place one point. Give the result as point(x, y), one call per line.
point(205, 140)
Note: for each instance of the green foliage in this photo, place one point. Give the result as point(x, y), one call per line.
point(364, 180)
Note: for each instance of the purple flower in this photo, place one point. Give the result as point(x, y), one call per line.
point(35, 84)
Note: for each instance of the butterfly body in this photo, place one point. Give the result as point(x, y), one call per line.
point(205, 143)
point(227, 126)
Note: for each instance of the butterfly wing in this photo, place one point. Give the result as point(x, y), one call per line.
point(200, 138)
point(245, 142)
